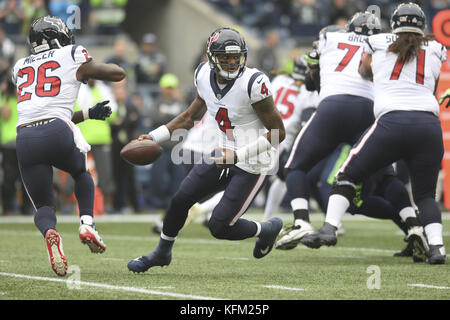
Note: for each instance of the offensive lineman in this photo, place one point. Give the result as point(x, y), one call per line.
point(240, 100)
point(47, 83)
point(405, 67)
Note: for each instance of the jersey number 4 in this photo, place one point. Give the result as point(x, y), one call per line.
point(45, 86)
point(224, 123)
point(420, 68)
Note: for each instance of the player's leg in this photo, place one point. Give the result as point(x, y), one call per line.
point(71, 160)
point(202, 208)
point(226, 222)
point(374, 151)
point(37, 178)
point(201, 181)
point(424, 169)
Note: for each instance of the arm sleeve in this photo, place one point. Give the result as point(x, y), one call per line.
point(80, 55)
point(322, 42)
point(260, 88)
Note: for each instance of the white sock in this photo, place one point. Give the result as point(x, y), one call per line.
point(210, 204)
point(337, 206)
point(406, 213)
point(274, 197)
point(258, 228)
point(299, 204)
point(86, 219)
point(434, 234)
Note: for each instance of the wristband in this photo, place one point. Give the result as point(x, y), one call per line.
point(253, 149)
point(160, 134)
point(85, 114)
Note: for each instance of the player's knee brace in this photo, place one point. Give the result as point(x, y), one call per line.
point(217, 228)
point(344, 186)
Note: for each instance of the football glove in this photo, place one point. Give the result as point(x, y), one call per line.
point(100, 111)
point(312, 59)
point(446, 95)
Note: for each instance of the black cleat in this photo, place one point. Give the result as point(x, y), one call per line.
point(436, 254)
point(416, 238)
point(407, 252)
point(265, 243)
point(326, 235)
point(144, 263)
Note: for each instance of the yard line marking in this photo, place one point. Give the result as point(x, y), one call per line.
point(231, 258)
point(284, 288)
point(2, 293)
point(421, 285)
point(114, 259)
point(4, 261)
point(112, 287)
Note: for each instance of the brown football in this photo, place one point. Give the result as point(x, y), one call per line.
point(141, 153)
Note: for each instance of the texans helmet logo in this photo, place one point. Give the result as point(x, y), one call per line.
point(213, 38)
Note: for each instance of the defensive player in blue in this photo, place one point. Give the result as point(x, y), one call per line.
point(47, 83)
point(239, 98)
point(405, 67)
point(344, 112)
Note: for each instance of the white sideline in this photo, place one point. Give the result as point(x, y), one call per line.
point(111, 287)
point(421, 285)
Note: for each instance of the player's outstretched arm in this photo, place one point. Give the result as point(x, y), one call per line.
point(100, 111)
point(100, 71)
point(184, 120)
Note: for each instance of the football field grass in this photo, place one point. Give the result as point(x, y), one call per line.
point(360, 266)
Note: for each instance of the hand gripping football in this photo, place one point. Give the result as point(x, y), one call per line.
point(141, 153)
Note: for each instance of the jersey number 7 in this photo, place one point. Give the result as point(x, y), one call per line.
point(352, 49)
point(45, 86)
point(420, 68)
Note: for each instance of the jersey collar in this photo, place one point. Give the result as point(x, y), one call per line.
point(219, 93)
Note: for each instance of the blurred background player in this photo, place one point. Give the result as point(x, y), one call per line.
point(240, 100)
point(405, 67)
point(47, 83)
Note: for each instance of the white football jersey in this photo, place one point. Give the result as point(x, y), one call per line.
point(231, 107)
point(291, 100)
point(203, 136)
point(340, 57)
point(46, 83)
point(404, 86)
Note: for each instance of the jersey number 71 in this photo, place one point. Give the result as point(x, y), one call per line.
point(45, 86)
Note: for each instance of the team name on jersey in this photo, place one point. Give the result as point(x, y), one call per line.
point(31, 59)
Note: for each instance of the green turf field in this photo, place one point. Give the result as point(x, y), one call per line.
point(361, 266)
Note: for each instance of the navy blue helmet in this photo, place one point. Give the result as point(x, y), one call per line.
point(364, 23)
point(408, 17)
point(49, 32)
point(226, 41)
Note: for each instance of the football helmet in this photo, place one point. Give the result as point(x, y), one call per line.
point(49, 32)
point(226, 41)
point(300, 69)
point(408, 17)
point(324, 30)
point(364, 23)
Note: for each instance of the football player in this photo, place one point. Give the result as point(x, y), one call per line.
point(405, 67)
point(47, 84)
point(239, 98)
point(344, 112)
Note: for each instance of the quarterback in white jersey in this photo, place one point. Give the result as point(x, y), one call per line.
point(47, 84)
point(405, 68)
point(240, 100)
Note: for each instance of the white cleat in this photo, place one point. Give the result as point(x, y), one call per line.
point(416, 237)
point(55, 252)
point(290, 238)
point(193, 214)
point(90, 237)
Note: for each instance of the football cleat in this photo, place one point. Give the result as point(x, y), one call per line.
point(90, 237)
point(55, 252)
point(265, 242)
point(144, 263)
point(436, 254)
point(326, 235)
point(290, 238)
point(416, 238)
point(407, 252)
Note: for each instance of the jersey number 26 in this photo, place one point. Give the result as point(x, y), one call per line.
point(45, 86)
